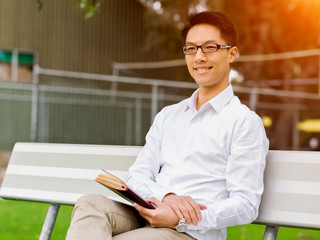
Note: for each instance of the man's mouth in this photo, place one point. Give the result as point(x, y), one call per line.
point(202, 69)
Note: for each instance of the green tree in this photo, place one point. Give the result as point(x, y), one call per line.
point(91, 7)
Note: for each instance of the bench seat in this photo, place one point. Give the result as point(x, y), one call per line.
point(59, 174)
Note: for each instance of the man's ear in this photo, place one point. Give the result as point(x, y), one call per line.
point(233, 54)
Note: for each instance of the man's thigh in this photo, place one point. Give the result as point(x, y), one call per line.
point(98, 217)
point(147, 233)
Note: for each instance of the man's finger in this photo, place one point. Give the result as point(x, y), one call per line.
point(202, 207)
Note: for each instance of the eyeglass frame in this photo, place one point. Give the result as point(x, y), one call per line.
point(219, 46)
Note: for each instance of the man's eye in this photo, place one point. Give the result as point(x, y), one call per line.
point(190, 48)
point(210, 47)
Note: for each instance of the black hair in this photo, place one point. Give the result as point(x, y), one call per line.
point(217, 19)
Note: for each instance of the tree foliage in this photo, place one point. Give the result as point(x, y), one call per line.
point(277, 25)
point(263, 26)
point(269, 26)
point(91, 7)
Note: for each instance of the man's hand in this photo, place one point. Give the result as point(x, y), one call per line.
point(162, 216)
point(185, 207)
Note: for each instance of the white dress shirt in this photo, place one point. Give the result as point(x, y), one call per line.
point(215, 155)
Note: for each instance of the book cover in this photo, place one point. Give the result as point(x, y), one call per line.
point(116, 185)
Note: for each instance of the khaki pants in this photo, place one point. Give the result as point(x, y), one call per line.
point(97, 217)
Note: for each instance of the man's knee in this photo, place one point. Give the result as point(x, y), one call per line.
point(103, 204)
point(88, 219)
point(92, 199)
point(91, 203)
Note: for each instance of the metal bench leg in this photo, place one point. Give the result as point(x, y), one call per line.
point(270, 233)
point(49, 221)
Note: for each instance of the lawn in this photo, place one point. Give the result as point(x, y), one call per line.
point(23, 221)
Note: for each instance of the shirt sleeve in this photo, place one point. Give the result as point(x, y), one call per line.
point(141, 175)
point(244, 178)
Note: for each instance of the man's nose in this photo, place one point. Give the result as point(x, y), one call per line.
point(200, 56)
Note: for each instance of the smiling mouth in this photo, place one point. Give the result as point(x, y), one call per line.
point(202, 69)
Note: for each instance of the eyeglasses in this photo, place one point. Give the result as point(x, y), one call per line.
point(205, 48)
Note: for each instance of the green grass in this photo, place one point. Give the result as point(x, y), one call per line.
point(255, 232)
point(23, 221)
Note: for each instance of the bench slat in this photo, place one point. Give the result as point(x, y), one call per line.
point(61, 173)
point(292, 190)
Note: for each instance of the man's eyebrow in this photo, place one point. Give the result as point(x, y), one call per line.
point(209, 41)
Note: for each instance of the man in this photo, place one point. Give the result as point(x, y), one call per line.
point(203, 161)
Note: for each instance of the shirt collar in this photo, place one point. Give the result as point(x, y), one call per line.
point(192, 101)
point(217, 103)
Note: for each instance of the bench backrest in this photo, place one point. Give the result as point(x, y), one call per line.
point(61, 173)
point(292, 190)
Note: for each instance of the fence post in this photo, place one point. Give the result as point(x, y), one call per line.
point(253, 99)
point(154, 101)
point(295, 130)
point(138, 120)
point(15, 65)
point(129, 130)
point(34, 104)
point(114, 84)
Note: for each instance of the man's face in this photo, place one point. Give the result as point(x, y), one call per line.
point(209, 70)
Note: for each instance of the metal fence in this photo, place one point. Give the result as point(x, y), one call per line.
point(94, 108)
point(73, 107)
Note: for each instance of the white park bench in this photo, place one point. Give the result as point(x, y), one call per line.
point(59, 174)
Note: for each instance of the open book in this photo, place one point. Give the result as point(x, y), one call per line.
point(116, 185)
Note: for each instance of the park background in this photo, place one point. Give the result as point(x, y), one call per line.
point(97, 71)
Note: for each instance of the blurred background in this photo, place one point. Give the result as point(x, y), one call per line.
point(97, 71)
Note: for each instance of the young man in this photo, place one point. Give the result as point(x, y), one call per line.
point(203, 161)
